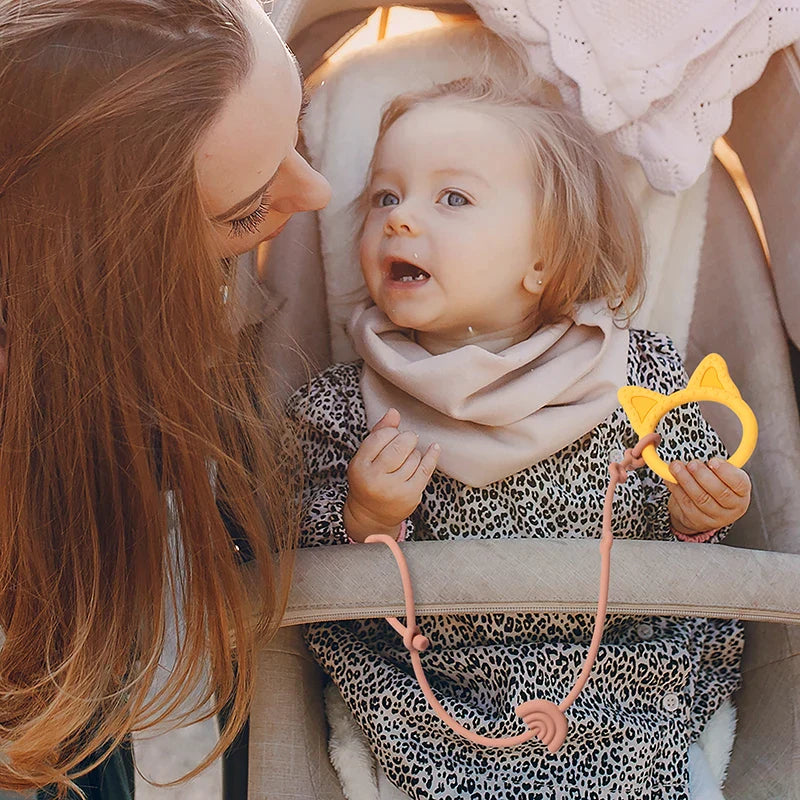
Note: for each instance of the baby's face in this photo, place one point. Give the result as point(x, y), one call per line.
point(450, 232)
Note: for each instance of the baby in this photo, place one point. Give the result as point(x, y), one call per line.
point(503, 259)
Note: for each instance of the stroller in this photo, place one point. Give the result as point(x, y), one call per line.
point(738, 303)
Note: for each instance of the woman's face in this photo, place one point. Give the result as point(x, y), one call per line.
point(251, 177)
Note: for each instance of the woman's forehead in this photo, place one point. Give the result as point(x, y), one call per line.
point(256, 128)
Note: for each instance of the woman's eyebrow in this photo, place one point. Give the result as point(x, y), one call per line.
point(243, 204)
point(306, 97)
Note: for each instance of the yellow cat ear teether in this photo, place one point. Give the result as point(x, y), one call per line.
point(710, 381)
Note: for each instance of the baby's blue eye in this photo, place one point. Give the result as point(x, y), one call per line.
point(387, 199)
point(455, 199)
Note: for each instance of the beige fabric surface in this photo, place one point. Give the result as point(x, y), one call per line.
point(296, 339)
point(291, 17)
point(546, 574)
point(765, 136)
point(736, 313)
point(495, 414)
point(288, 735)
point(766, 753)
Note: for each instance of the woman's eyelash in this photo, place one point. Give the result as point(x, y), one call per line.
point(303, 107)
point(251, 223)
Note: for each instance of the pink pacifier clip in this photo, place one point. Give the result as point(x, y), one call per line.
point(545, 719)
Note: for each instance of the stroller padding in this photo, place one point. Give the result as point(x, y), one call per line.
point(646, 578)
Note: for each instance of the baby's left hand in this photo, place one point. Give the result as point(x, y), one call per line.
point(707, 496)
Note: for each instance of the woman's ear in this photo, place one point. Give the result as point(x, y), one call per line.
point(534, 279)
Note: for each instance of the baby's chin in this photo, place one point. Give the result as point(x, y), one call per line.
point(401, 320)
point(415, 320)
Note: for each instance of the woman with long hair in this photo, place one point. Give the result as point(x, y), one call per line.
point(143, 144)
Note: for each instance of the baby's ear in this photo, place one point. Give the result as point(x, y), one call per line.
point(533, 281)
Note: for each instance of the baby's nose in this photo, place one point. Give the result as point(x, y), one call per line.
point(400, 222)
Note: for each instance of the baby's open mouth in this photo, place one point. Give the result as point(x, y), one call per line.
point(403, 272)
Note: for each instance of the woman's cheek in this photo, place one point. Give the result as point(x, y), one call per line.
point(229, 246)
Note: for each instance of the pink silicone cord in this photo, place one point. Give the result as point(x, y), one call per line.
point(545, 719)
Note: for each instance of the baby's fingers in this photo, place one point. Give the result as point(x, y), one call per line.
point(373, 445)
point(395, 453)
point(697, 504)
point(410, 466)
point(391, 419)
point(735, 479)
point(425, 468)
point(707, 491)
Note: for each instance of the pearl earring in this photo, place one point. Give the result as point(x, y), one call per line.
point(539, 282)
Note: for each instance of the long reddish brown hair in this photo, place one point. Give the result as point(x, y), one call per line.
point(126, 388)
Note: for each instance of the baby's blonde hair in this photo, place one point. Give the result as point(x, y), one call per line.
point(590, 238)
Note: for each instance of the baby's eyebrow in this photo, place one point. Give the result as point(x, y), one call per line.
point(461, 171)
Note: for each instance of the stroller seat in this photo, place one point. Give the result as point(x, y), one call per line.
point(730, 307)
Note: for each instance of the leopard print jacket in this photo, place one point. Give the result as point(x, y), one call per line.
point(657, 680)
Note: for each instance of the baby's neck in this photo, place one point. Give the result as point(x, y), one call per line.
point(495, 341)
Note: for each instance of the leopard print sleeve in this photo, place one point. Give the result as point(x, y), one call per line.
point(656, 364)
point(330, 424)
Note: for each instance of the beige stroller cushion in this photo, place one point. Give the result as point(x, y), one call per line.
point(340, 129)
point(363, 779)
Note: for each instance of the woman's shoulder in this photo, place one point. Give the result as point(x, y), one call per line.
point(336, 386)
point(654, 361)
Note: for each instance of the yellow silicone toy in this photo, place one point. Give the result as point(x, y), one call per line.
point(710, 381)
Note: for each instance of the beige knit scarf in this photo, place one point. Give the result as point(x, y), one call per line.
point(494, 414)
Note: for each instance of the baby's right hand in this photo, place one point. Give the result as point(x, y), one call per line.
point(386, 479)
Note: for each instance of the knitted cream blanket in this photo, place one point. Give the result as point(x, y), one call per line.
point(659, 76)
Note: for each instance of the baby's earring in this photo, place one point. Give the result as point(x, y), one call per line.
point(532, 283)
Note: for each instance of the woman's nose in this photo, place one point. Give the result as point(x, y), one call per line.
point(302, 187)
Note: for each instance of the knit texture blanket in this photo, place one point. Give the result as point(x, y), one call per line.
point(660, 77)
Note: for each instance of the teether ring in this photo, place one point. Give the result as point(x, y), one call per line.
point(710, 381)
